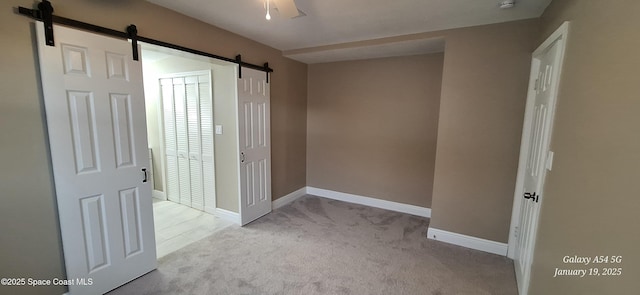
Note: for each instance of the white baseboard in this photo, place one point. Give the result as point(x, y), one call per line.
point(228, 215)
point(158, 195)
point(467, 241)
point(210, 209)
point(372, 202)
point(288, 198)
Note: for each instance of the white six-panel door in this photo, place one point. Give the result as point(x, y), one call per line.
point(93, 94)
point(188, 135)
point(255, 145)
point(535, 157)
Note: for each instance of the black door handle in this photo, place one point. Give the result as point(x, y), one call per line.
point(144, 170)
point(531, 196)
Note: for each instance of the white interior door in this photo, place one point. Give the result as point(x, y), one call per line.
point(535, 155)
point(182, 130)
point(93, 94)
point(172, 185)
point(255, 145)
point(188, 134)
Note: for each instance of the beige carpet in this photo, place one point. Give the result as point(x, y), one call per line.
point(320, 246)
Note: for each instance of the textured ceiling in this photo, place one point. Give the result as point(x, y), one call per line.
point(329, 22)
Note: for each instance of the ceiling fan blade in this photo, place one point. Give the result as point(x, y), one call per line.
point(287, 8)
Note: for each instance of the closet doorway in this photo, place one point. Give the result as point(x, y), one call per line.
point(187, 117)
point(186, 96)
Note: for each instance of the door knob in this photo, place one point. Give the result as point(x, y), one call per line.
point(531, 196)
point(144, 171)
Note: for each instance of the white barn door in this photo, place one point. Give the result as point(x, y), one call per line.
point(535, 157)
point(255, 145)
point(97, 134)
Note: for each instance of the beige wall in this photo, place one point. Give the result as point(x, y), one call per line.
point(30, 238)
point(590, 204)
point(153, 115)
point(483, 93)
point(484, 87)
point(225, 106)
point(371, 127)
point(288, 127)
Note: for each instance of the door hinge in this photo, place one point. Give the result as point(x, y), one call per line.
point(516, 232)
point(535, 84)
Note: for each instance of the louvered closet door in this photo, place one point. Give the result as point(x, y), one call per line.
point(193, 135)
point(189, 135)
point(170, 141)
point(207, 134)
point(182, 138)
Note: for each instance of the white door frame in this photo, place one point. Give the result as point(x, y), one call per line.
point(559, 37)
